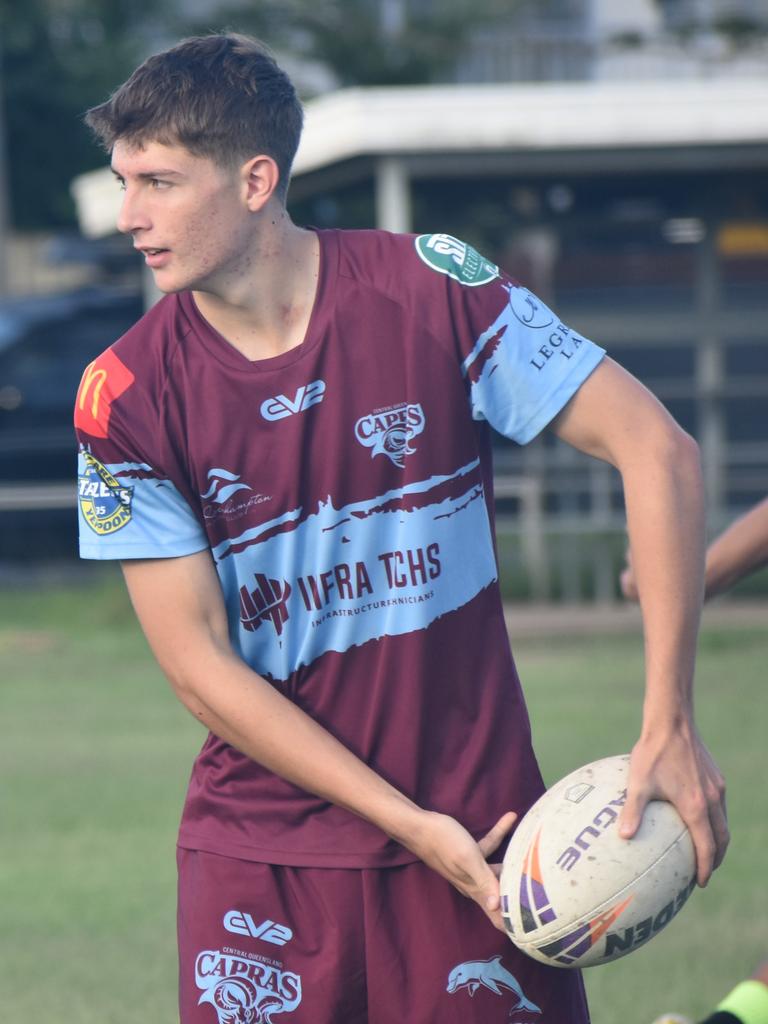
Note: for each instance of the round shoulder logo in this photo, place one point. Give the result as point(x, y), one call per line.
point(104, 501)
point(451, 256)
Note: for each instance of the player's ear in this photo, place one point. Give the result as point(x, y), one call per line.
point(260, 177)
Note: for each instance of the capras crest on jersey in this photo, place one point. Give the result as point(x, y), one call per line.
point(390, 431)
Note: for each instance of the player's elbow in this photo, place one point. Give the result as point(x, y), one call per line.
point(670, 448)
point(662, 451)
point(183, 686)
point(188, 672)
point(681, 452)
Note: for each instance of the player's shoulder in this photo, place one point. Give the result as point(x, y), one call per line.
point(372, 256)
point(132, 368)
point(154, 338)
point(146, 348)
point(399, 263)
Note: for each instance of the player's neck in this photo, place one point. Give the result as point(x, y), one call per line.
point(265, 310)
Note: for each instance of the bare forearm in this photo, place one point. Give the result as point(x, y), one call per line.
point(664, 500)
point(616, 419)
point(739, 551)
point(246, 711)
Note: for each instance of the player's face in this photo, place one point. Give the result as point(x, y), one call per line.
point(187, 216)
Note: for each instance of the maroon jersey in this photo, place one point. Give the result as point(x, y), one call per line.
point(345, 491)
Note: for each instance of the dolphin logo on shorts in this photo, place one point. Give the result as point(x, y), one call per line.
point(491, 974)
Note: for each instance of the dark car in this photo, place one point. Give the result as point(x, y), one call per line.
point(45, 343)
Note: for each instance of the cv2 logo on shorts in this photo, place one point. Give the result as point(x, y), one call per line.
point(390, 431)
point(451, 256)
point(492, 975)
point(245, 991)
point(280, 406)
point(104, 501)
point(266, 603)
point(243, 924)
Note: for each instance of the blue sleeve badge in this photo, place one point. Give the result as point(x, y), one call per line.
point(104, 501)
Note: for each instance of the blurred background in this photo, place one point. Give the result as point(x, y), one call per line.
point(612, 155)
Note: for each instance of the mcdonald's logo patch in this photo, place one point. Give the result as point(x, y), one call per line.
point(104, 380)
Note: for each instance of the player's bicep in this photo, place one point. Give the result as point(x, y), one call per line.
point(180, 607)
point(613, 417)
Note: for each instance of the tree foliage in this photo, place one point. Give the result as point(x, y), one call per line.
point(60, 57)
point(372, 42)
point(741, 30)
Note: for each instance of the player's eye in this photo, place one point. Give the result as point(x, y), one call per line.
point(158, 184)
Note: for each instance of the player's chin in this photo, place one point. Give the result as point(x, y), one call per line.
point(170, 284)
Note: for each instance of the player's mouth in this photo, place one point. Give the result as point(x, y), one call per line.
point(155, 258)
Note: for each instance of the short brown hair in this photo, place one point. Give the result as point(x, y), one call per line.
point(221, 96)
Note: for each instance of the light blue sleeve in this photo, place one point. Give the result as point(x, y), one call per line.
point(126, 511)
point(525, 367)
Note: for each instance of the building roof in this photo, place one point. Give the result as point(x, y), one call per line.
point(576, 126)
point(554, 116)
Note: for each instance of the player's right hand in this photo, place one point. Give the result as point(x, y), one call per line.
point(446, 847)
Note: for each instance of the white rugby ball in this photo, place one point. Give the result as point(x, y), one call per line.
point(573, 893)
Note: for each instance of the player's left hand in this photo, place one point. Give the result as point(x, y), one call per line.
point(446, 846)
point(676, 766)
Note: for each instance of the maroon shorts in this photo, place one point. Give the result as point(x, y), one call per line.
point(265, 944)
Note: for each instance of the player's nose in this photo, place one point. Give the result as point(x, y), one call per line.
point(132, 217)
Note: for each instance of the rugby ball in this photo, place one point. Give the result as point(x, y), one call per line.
point(575, 894)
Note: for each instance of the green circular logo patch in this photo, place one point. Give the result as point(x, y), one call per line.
point(451, 256)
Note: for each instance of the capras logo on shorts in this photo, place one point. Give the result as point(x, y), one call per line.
point(244, 991)
point(390, 431)
point(240, 923)
point(280, 406)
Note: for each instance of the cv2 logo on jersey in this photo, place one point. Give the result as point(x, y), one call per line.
point(240, 923)
point(245, 991)
point(492, 975)
point(104, 502)
point(267, 602)
point(390, 431)
point(280, 406)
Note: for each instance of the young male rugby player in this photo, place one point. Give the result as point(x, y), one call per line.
point(290, 456)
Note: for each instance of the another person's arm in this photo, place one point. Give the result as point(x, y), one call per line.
point(180, 607)
point(614, 418)
point(736, 553)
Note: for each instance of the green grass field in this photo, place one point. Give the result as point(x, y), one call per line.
point(94, 761)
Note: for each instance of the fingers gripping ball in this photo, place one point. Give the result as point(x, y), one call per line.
point(573, 893)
